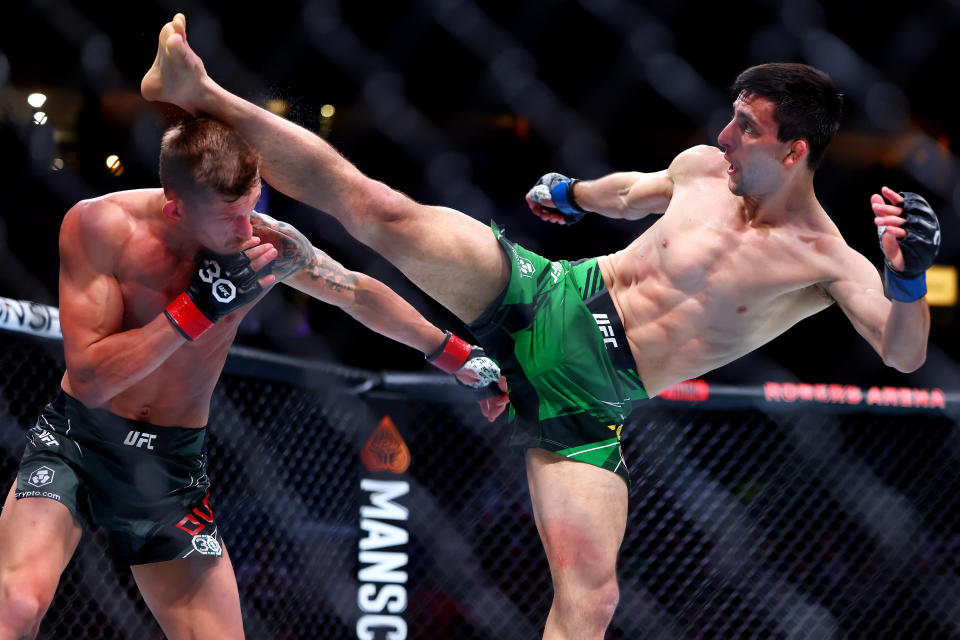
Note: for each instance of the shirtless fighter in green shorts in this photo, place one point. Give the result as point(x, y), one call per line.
point(743, 252)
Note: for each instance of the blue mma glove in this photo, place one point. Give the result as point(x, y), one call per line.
point(558, 188)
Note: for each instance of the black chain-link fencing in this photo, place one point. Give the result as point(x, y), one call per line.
point(804, 522)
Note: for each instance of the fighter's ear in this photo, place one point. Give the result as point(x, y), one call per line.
point(797, 152)
point(171, 209)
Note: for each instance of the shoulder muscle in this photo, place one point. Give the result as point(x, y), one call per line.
point(695, 162)
point(94, 231)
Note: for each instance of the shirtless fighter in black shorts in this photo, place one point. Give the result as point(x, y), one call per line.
point(153, 285)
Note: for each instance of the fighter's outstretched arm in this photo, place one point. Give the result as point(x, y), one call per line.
point(897, 328)
point(102, 358)
point(628, 195)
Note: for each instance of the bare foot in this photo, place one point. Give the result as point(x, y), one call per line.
point(177, 75)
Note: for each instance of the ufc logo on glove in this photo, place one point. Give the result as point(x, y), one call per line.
point(223, 290)
point(221, 284)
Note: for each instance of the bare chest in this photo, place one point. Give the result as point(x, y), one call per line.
point(150, 277)
point(701, 288)
point(726, 266)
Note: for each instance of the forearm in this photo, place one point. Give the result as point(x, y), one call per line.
point(115, 363)
point(618, 195)
point(905, 333)
point(380, 309)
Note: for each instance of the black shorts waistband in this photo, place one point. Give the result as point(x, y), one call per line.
point(84, 423)
point(614, 336)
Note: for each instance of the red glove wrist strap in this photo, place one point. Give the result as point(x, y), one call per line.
point(455, 352)
point(187, 317)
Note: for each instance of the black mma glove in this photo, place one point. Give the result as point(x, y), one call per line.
point(456, 354)
point(919, 247)
point(221, 284)
point(559, 188)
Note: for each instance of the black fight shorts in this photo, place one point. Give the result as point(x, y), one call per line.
point(146, 485)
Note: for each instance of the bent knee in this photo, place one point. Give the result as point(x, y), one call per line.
point(593, 605)
point(373, 203)
point(20, 612)
point(25, 596)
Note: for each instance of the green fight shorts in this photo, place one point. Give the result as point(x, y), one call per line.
point(560, 343)
point(146, 485)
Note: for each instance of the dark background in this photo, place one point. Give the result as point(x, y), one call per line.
point(466, 104)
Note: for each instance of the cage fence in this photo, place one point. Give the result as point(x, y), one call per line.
point(759, 513)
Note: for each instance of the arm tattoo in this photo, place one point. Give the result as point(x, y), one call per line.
point(295, 253)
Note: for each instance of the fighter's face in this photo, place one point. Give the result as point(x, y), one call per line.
point(220, 224)
point(750, 145)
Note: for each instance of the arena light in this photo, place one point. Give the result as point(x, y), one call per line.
point(326, 120)
point(278, 106)
point(39, 118)
point(942, 285)
point(114, 165)
point(36, 100)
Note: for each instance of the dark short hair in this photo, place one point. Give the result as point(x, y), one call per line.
point(203, 154)
point(807, 104)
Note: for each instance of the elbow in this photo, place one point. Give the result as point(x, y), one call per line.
point(88, 397)
point(83, 388)
point(906, 363)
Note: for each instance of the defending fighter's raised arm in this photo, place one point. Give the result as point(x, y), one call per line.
point(897, 328)
point(103, 359)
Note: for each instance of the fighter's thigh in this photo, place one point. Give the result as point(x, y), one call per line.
point(581, 514)
point(454, 258)
point(193, 597)
point(37, 539)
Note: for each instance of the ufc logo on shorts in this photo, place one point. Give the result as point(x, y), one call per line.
point(138, 439)
point(603, 323)
point(556, 271)
point(44, 436)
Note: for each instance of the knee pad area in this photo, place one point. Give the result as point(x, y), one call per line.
point(586, 608)
point(20, 612)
